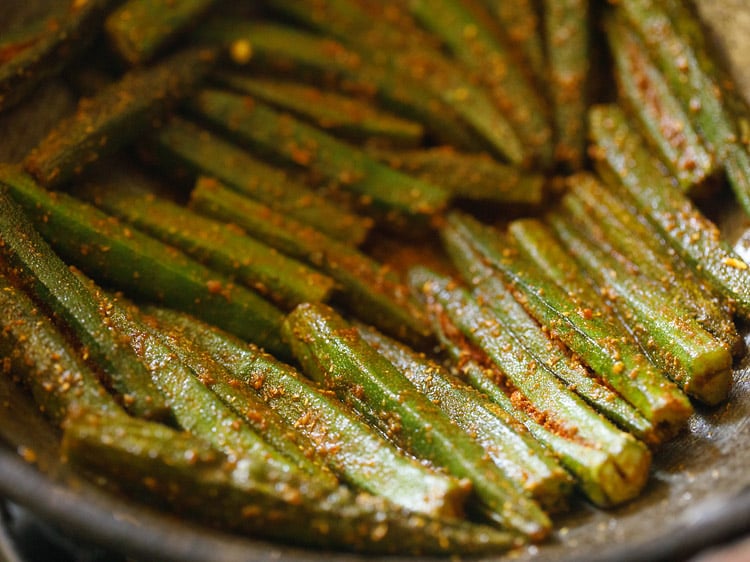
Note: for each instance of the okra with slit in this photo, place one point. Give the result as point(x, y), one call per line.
point(507, 442)
point(140, 29)
point(649, 98)
point(35, 352)
point(586, 327)
point(347, 117)
point(350, 447)
point(489, 290)
point(185, 147)
point(115, 115)
point(126, 258)
point(699, 363)
point(222, 247)
point(374, 292)
point(332, 353)
point(611, 465)
point(620, 151)
point(41, 49)
point(296, 143)
point(190, 477)
point(42, 273)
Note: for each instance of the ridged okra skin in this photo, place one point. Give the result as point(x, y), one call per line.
point(36, 353)
point(620, 152)
point(115, 115)
point(186, 148)
point(182, 472)
point(611, 466)
point(33, 264)
point(122, 256)
point(43, 48)
point(139, 29)
point(332, 352)
point(507, 442)
point(357, 453)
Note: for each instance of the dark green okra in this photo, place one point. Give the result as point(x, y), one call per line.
point(295, 143)
point(140, 29)
point(219, 246)
point(114, 116)
point(620, 151)
point(348, 117)
point(507, 442)
point(43, 48)
point(585, 326)
point(37, 268)
point(332, 352)
point(611, 466)
point(371, 290)
point(699, 363)
point(35, 352)
point(351, 448)
point(489, 290)
point(182, 146)
point(132, 261)
point(190, 477)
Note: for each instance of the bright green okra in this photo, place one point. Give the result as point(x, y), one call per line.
point(332, 353)
point(351, 448)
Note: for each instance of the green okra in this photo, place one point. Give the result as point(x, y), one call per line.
point(489, 290)
point(468, 176)
point(374, 292)
point(620, 151)
point(666, 125)
point(512, 92)
point(721, 115)
point(181, 471)
point(343, 116)
point(611, 465)
point(351, 448)
point(114, 116)
point(567, 34)
point(585, 325)
point(332, 353)
point(507, 442)
point(698, 362)
point(184, 146)
point(42, 273)
point(140, 265)
point(296, 54)
point(42, 49)
point(140, 29)
point(285, 281)
point(298, 144)
point(36, 352)
point(611, 222)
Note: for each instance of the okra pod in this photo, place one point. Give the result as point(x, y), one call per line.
point(489, 290)
point(295, 143)
point(508, 443)
point(134, 262)
point(692, 235)
point(183, 472)
point(140, 29)
point(612, 466)
point(586, 327)
point(222, 247)
point(332, 353)
point(42, 273)
point(346, 117)
point(183, 146)
point(114, 116)
point(374, 292)
point(351, 448)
